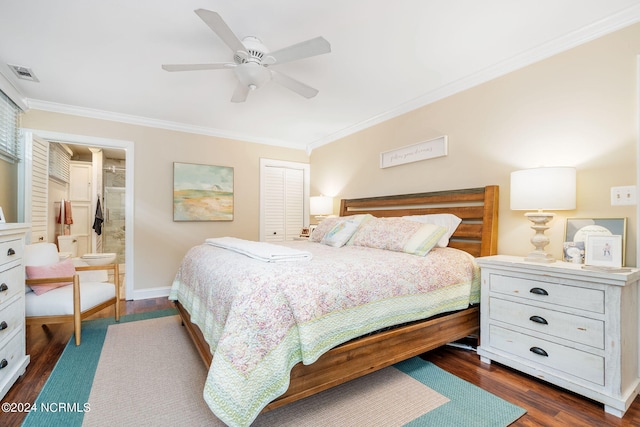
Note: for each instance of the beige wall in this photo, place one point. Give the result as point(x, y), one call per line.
point(8, 190)
point(578, 108)
point(159, 242)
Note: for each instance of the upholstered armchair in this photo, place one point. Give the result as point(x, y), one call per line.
point(60, 292)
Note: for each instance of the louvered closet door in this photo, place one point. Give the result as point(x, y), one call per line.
point(39, 189)
point(283, 203)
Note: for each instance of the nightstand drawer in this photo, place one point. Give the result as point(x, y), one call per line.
point(550, 322)
point(11, 318)
point(10, 250)
point(13, 280)
point(549, 292)
point(11, 354)
point(580, 364)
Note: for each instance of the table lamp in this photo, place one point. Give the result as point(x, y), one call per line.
point(321, 206)
point(539, 189)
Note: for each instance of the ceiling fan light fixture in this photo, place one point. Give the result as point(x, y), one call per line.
point(251, 59)
point(252, 75)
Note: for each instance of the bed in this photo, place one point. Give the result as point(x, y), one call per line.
point(320, 364)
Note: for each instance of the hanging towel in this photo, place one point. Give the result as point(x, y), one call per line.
point(59, 217)
point(68, 218)
point(97, 223)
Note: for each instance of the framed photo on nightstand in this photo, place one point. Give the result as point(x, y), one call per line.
point(603, 251)
point(578, 230)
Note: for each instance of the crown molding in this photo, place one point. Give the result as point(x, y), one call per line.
point(13, 93)
point(154, 123)
point(618, 21)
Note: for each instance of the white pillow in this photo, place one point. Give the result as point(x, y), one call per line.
point(448, 221)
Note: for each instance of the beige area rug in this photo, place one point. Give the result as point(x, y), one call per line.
point(149, 374)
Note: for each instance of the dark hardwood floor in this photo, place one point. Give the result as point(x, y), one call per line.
point(546, 405)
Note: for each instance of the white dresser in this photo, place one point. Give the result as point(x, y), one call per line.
point(572, 327)
point(13, 358)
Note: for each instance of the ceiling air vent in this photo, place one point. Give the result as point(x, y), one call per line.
point(24, 73)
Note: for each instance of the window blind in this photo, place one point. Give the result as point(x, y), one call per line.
point(9, 124)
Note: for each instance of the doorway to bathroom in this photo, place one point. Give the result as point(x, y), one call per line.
point(111, 184)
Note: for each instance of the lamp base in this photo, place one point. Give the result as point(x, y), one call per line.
point(535, 256)
point(539, 240)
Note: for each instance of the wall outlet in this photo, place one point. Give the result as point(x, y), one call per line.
point(624, 196)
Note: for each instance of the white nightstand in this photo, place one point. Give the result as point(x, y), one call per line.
point(13, 357)
point(572, 327)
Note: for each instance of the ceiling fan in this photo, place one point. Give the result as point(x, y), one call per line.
point(251, 59)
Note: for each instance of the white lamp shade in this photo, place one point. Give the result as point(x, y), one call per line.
point(551, 188)
point(321, 205)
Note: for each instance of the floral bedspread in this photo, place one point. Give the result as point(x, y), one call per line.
point(260, 319)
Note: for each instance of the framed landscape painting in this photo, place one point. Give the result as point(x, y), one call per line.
point(202, 192)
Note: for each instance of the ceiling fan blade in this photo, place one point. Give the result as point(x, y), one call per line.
point(196, 67)
point(241, 93)
point(217, 24)
point(293, 84)
point(305, 49)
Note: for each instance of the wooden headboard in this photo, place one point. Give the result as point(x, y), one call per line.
point(478, 208)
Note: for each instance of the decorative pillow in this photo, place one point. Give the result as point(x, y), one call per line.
point(340, 234)
point(399, 235)
point(329, 223)
point(322, 228)
point(449, 221)
point(62, 269)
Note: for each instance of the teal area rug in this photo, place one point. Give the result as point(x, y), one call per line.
point(64, 395)
point(70, 384)
point(469, 405)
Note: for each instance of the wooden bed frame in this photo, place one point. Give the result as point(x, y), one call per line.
point(477, 234)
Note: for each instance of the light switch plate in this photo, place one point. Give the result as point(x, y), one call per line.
point(624, 196)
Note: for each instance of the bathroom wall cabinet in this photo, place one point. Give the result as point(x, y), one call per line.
point(80, 192)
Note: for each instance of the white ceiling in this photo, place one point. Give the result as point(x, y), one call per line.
point(103, 58)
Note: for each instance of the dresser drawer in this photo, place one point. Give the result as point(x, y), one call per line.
point(580, 364)
point(13, 280)
point(11, 354)
point(552, 293)
point(10, 250)
point(561, 325)
point(11, 318)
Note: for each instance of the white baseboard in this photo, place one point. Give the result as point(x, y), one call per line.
point(149, 293)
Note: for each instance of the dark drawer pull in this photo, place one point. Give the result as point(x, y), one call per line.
point(11, 252)
point(538, 291)
point(539, 319)
point(3, 325)
point(3, 363)
point(539, 351)
point(4, 287)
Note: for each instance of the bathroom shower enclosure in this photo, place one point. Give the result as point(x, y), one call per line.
point(113, 210)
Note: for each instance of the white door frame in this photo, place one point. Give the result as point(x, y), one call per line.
point(264, 163)
point(92, 141)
